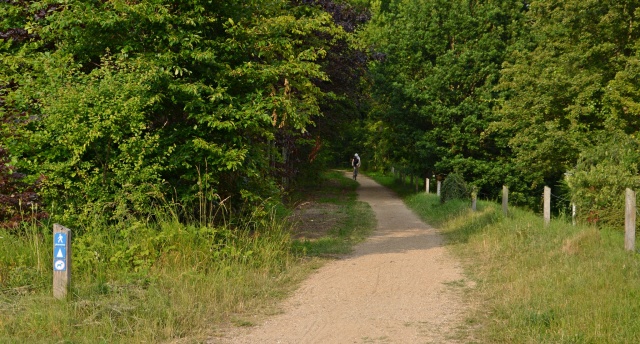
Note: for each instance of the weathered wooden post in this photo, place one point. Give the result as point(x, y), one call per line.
point(438, 188)
point(630, 220)
point(573, 214)
point(61, 261)
point(547, 205)
point(474, 198)
point(426, 185)
point(505, 199)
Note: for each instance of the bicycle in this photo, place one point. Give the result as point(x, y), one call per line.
point(355, 172)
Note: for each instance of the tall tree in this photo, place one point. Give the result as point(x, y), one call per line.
point(565, 81)
point(120, 102)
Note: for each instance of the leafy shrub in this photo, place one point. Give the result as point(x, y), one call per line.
point(602, 174)
point(454, 187)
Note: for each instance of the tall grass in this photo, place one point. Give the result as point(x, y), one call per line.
point(150, 282)
point(158, 279)
point(537, 284)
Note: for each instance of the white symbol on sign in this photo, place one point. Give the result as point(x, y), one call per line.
point(59, 255)
point(60, 239)
point(59, 265)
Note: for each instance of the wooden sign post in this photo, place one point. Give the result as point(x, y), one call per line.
point(630, 220)
point(547, 205)
point(505, 200)
point(61, 261)
point(426, 185)
point(474, 200)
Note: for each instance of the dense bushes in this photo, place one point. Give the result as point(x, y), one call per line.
point(603, 172)
point(454, 187)
point(123, 104)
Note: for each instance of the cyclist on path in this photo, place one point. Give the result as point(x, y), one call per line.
point(355, 162)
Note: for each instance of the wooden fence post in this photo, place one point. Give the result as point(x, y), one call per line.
point(61, 261)
point(426, 185)
point(630, 220)
point(573, 214)
point(547, 205)
point(505, 199)
point(438, 187)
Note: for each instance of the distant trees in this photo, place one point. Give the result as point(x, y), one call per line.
point(568, 81)
point(513, 92)
point(435, 87)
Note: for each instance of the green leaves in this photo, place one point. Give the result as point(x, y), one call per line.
point(503, 93)
point(436, 81)
point(562, 84)
point(119, 101)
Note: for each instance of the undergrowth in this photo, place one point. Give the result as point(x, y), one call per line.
point(158, 279)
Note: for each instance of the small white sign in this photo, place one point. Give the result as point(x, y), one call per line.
point(59, 265)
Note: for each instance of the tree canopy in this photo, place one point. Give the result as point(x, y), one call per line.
point(505, 92)
point(120, 104)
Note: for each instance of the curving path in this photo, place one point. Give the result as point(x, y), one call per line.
point(393, 289)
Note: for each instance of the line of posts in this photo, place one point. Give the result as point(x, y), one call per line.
point(630, 207)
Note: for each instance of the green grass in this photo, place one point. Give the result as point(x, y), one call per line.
point(537, 284)
point(197, 277)
point(161, 281)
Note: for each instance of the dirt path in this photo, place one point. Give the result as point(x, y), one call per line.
point(397, 287)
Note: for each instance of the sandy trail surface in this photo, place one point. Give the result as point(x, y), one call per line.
point(397, 287)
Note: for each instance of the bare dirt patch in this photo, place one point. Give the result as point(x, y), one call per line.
point(313, 220)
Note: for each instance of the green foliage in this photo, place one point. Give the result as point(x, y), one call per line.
point(506, 93)
point(119, 104)
point(19, 201)
point(454, 187)
point(567, 78)
point(597, 184)
point(433, 86)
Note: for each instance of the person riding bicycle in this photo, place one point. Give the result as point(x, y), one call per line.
point(355, 162)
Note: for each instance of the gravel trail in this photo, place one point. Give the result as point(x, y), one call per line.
point(397, 287)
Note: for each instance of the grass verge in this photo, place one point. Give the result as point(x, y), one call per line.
point(535, 284)
point(160, 281)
